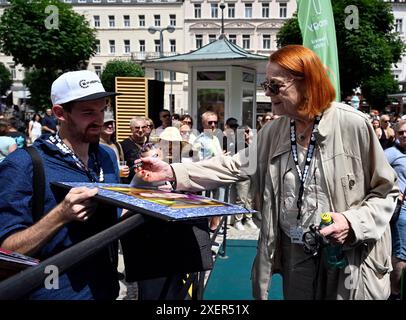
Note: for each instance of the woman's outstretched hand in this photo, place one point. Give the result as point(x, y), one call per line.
point(152, 169)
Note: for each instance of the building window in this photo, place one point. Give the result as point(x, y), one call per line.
point(198, 10)
point(214, 10)
point(112, 21)
point(172, 20)
point(96, 20)
point(97, 70)
point(265, 10)
point(112, 45)
point(157, 46)
point(398, 25)
point(232, 38)
point(173, 45)
point(246, 41)
point(158, 75)
point(172, 75)
point(97, 46)
point(248, 10)
point(157, 20)
point(13, 72)
point(141, 20)
point(283, 10)
point(231, 10)
point(142, 45)
point(127, 46)
point(199, 41)
point(126, 21)
point(212, 38)
point(266, 41)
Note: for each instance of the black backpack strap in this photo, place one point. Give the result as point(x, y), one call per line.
point(38, 184)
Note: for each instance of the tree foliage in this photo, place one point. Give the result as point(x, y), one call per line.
point(119, 68)
point(39, 81)
point(5, 79)
point(366, 53)
point(48, 37)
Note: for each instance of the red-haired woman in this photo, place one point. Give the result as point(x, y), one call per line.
point(319, 156)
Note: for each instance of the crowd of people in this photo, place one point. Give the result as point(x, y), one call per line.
point(312, 156)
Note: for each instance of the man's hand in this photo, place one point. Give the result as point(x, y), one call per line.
point(154, 169)
point(339, 231)
point(77, 204)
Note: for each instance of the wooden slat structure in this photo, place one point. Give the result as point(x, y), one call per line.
point(132, 102)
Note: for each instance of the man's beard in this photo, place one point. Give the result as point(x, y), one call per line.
point(91, 137)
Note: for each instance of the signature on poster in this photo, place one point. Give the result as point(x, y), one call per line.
point(169, 199)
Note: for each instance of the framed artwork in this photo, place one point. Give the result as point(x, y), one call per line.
point(162, 204)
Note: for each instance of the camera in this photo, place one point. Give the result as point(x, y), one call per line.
point(313, 241)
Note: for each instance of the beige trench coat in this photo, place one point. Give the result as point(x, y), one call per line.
point(361, 185)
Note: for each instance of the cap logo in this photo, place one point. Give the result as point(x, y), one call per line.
point(86, 83)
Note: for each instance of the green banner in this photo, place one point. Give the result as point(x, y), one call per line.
point(316, 23)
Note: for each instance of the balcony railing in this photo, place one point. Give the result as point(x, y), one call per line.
point(137, 56)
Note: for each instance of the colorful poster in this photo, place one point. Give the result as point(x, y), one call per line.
point(168, 199)
point(316, 22)
point(161, 204)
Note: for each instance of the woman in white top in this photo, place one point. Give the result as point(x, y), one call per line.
point(35, 127)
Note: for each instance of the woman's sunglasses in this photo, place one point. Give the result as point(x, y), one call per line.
point(273, 87)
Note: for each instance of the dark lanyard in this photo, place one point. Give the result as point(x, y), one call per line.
point(57, 141)
point(310, 152)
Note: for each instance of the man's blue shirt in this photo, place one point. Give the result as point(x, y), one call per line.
point(96, 277)
point(50, 122)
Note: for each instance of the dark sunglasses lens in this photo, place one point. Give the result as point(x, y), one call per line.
point(274, 88)
point(212, 122)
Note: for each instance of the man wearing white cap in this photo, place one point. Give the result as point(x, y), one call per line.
point(71, 154)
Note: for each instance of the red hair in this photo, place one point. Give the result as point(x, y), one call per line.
point(303, 63)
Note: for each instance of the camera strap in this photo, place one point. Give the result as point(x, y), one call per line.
point(310, 152)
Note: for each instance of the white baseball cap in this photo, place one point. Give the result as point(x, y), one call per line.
point(83, 85)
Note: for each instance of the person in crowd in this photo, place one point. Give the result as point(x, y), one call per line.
point(242, 190)
point(319, 156)
point(186, 147)
point(206, 146)
point(188, 120)
point(7, 144)
point(107, 138)
point(71, 154)
point(268, 117)
point(166, 121)
point(258, 125)
point(18, 136)
point(396, 156)
point(132, 145)
point(176, 120)
point(386, 134)
point(230, 136)
point(35, 127)
point(376, 125)
point(150, 130)
point(49, 122)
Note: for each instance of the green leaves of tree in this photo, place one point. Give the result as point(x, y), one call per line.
point(119, 68)
point(5, 79)
point(25, 35)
